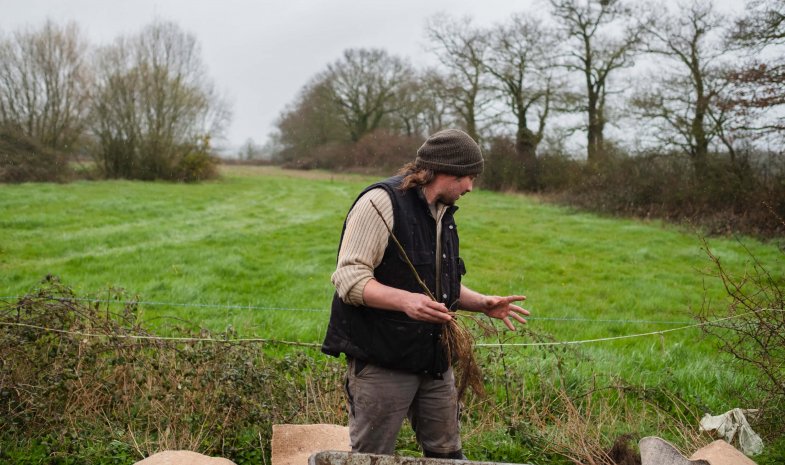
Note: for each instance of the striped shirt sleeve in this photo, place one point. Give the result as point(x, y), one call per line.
point(364, 242)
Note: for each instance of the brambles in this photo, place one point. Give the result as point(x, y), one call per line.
point(147, 394)
point(752, 329)
point(24, 160)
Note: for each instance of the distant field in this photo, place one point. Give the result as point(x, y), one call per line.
point(266, 239)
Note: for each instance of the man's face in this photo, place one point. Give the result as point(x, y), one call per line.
point(450, 188)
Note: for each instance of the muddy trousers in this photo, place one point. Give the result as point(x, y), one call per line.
point(379, 400)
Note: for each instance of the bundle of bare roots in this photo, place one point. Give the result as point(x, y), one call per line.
point(457, 339)
point(459, 346)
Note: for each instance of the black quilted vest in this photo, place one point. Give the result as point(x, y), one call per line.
point(390, 338)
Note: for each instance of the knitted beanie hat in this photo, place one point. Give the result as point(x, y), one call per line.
point(450, 151)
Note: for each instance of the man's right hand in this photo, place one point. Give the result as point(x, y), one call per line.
point(416, 306)
point(420, 307)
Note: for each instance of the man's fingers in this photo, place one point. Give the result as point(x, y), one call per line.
point(439, 317)
point(507, 322)
point(432, 316)
point(515, 312)
point(437, 306)
point(519, 318)
point(436, 312)
point(509, 325)
point(520, 310)
point(513, 298)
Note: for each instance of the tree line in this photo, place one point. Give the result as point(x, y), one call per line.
point(709, 84)
point(142, 107)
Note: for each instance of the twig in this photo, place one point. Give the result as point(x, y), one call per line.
point(261, 445)
point(403, 254)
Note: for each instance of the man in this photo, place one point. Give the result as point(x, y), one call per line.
point(382, 317)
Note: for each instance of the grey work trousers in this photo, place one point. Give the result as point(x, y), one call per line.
point(380, 398)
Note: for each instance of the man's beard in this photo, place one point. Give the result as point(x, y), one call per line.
point(449, 202)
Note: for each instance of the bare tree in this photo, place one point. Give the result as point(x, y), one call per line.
point(366, 85)
point(435, 113)
point(44, 85)
point(764, 23)
point(462, 49)
point(521, 58)
point(313, 120)
point(602, 38)
point(758, 85)
point(250, 150)
point(154, 103)
point(423, 108)
point(684, 96)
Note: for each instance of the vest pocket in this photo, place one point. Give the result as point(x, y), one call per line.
point(425, 264)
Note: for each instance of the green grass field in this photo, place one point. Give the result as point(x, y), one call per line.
point(265, 239)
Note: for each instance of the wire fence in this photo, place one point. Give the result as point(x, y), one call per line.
point(326, 310)
point(255, 340)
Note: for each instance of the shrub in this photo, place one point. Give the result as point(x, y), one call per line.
point(24, 160)
point(732, 197)
point(555, 172)
point(501, 171)
point(196, 165)
point(332, 155)
point(379, 152)
point(752, 330)
point(152, 99)
point(383, 151)
point(143, 395)
point(558, 172)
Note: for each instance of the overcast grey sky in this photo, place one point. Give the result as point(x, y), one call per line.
point(260, 53)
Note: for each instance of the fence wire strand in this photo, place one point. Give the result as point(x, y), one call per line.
point(313, 344)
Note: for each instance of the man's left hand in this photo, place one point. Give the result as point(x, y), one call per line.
point(503, 308)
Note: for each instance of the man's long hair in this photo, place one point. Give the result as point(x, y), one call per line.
point(414, 176)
